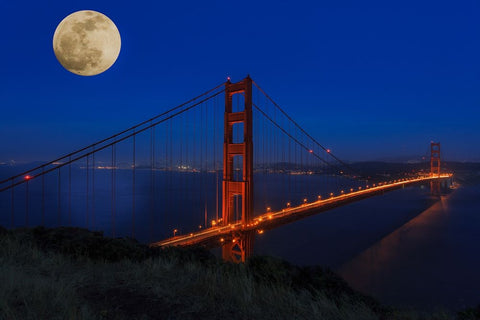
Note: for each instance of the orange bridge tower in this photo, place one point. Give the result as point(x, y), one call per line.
point(435, 158)
point(233, 188)
point(435, 187)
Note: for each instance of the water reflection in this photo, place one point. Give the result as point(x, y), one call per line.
point(428, 262)
point(332, 238)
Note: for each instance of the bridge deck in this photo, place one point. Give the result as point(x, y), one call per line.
point(215, 235)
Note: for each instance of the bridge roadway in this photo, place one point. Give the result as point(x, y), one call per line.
point(216, 235)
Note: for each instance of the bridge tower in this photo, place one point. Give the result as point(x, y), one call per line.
point(435, 158)
point(232, 188)
point(435, 188)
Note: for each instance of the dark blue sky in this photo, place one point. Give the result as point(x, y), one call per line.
point(368, 79)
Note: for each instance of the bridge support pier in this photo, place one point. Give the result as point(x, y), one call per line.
point(240, 248)
point(435, 188)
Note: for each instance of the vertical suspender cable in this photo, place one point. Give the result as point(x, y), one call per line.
point(172, 201)
point(87, 195)
point(26, 202)
point(152, 179)
point(295, 178)
point(70, 192)
point(43, 196)
point(150, 231)
point(264, 158)
point(178, 151)
point(114, 189)
point(215, 106)
point(133, 186)
point(206, 163)
point(167, 198)
point(186, 174)
point(290, 170)
point(194, 154)
point(202, 195)
point(275, 144)
point(112, 200)
point(12, 213)
point(93, 191)
point(58, 198)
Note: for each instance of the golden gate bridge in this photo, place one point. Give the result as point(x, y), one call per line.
point(213, 171)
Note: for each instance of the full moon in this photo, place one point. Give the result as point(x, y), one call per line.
point(86, 43)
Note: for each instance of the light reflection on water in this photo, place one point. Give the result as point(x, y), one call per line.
point(333, 237)
point(430, 261)
point(405, 247)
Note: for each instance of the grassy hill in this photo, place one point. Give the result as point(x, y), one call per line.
point(71, 273)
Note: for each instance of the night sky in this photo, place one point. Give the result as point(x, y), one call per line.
point(370, 80)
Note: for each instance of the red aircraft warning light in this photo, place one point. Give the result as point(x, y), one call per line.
point(27, 177)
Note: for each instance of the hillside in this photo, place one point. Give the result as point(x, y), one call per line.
point(70, 273)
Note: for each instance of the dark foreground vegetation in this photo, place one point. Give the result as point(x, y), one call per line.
point(71, 273)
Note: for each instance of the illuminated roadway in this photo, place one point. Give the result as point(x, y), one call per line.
point(215, 235)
